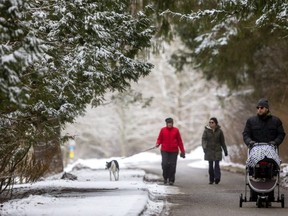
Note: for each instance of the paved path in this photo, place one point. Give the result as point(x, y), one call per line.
point(200, 198)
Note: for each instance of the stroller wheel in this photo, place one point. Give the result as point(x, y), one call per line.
point(282, 201)
point(267, 202)
point(259, 202)
point(241, 201)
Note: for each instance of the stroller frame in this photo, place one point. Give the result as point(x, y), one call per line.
point(262, 199)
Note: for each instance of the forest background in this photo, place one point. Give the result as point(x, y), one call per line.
point(217, 60)
point(106, 74)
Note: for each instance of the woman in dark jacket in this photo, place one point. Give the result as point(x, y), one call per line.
point(213, 142)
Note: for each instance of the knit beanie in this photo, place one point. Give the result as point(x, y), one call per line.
point(263, 103)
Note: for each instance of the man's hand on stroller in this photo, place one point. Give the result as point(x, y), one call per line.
point(251, 144)
point(273, 143)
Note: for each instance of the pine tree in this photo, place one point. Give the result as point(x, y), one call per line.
point(56, 58)
point(237, 43)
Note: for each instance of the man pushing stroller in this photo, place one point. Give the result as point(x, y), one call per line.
point(263, 128)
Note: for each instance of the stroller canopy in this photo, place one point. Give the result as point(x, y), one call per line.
point(260, 152)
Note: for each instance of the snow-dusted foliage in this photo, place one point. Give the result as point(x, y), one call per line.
point(240, 43)
point(130, 122)
point(227, 36)
point(227, 41)
point(56, 57)
point(225, 20)
point(19, 48)
point(90, 50)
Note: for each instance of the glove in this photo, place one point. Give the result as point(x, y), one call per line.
point(272, 143)
point(157, 145)
point(182, 154)
point(204, 151)
point(226, 153)
point(251, 143)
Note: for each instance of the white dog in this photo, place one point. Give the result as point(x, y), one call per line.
point(113, 167)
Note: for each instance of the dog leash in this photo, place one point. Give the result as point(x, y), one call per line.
point(139, 152)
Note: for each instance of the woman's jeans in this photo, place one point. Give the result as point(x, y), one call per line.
point(214, 171)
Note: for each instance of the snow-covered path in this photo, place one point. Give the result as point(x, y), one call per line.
point(94, 194)
point(91, 194)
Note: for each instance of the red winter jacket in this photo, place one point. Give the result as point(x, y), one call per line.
point(170, 140)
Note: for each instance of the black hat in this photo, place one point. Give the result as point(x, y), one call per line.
point(263, 103)
point(169, 120)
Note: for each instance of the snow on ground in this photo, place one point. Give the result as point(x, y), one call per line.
point(94, 194)
point(90, 194)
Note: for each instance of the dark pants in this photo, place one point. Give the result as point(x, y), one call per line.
point(169, 162)
point(214, 171)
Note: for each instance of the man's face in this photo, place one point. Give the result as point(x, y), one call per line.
point(262, 110)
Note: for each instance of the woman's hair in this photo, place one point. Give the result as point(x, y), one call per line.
point(215, 120)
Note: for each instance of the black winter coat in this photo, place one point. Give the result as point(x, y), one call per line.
point(263, 129)
point(213, 142)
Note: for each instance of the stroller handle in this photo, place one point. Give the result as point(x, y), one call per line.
point(263, 144)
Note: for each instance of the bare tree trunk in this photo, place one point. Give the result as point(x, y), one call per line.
point(47, 157)
point(122, 130)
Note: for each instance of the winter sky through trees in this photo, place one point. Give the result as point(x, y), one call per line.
point(125, 128)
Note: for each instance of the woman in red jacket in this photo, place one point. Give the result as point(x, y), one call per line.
point(170, 140)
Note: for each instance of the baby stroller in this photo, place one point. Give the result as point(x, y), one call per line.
point(262, 175)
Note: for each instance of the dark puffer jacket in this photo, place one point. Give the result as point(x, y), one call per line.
point(264, 129)
point(213, 142)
